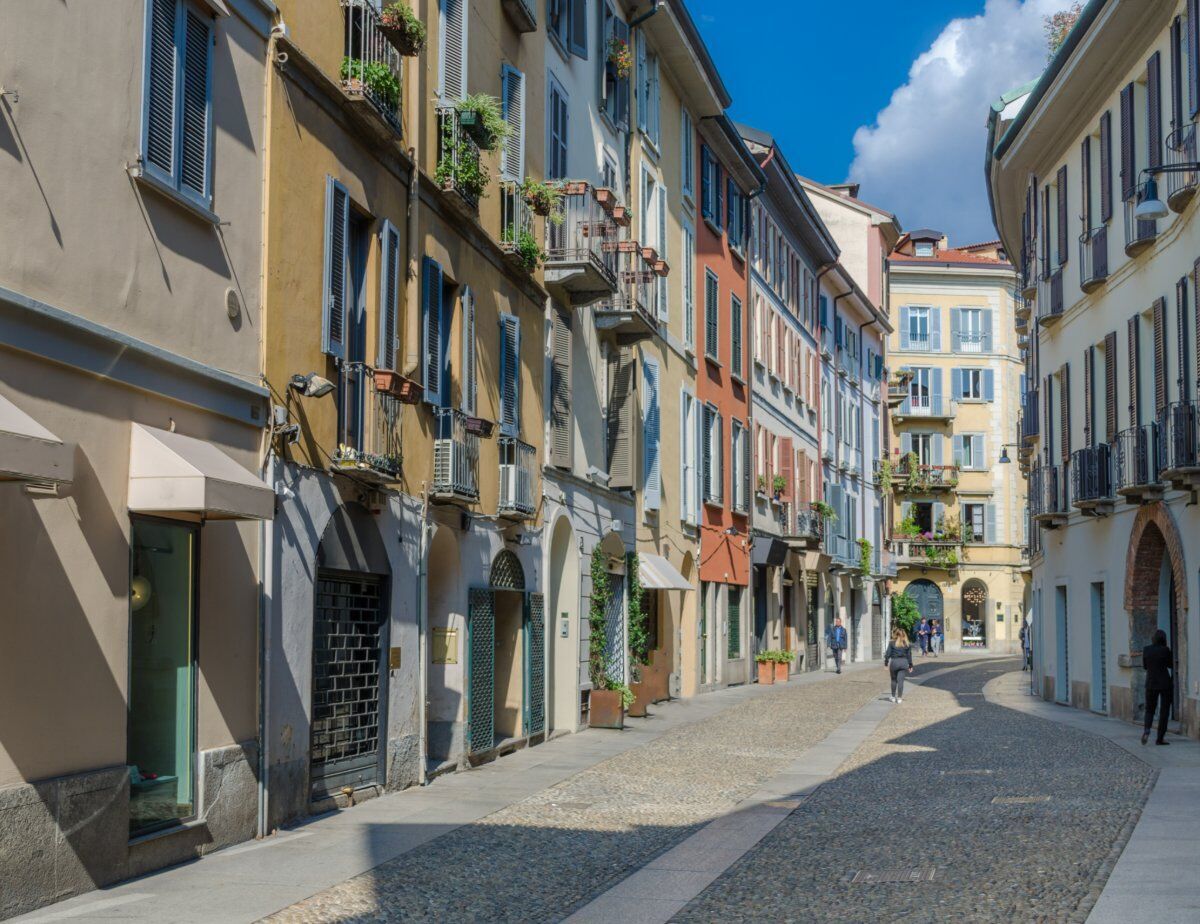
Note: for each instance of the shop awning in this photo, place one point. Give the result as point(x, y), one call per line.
point(768, 551)
point(657, 573)
point(30, 452)
point(172, 473)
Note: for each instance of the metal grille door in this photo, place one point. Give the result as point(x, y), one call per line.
point(347, 667)
point(876, 632)
point(614, 629)
point(812, 646)
point(535, 665)
point(481, 652)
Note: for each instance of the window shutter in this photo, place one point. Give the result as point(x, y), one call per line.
point(652, 471)
point(1196, 315)
point(622, 32)
point(746, 468)
point(986, 316)
point(706, 444)
point(904, 342)
point(664, 309)
point(935, 330)
point(1154, 108)
point(1110, 386)
point(1176, 75)
point(389, 295)
point(431, 307)
point(935, 389)
point(579, 28)
point(905, 510)
point(956, 382)
point(959, 444)
point(989, 385)
point(1045, 236)
point(1106, 167)
point(989, 524)
point(453, 40)
point(337, 235)
point(978, 452)
point(1089, 358)
point(718, 211)
point(711, 328)
point(955, 330)
point(620, 418)
point(905, 444)
point(1193, 50)
point(1135, 404)
point(1159, 314)
point(1085, 181)
point(195, 111)
point(1181, 337)
point(160, 86)
point(1062, 215)
point(1048, 418)
point(560, 391)
point(936, 443)
point(470, 385)
point(939, 514)
point(512, 104)
point(510, 375)
point(1128, 179)
point(1064, 412)
point(643, 82)
point(735, 342)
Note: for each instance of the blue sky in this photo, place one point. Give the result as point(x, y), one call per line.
point(893, 95)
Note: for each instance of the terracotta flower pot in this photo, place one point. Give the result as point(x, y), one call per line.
point(766, 672)
point(575, 188)
point(650, 255)
point(782, 669)
point(620, 214)
point(477, 426)
point(661, 268)
point(604, 709)
point(387, 381)
point(607, 198)
point(627, 246)
point(410, 391)
point(641, 699)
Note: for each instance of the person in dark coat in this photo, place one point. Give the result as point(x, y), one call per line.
point(1160, 685)
point(898, 660)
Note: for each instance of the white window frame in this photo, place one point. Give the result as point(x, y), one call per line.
point(687, 154)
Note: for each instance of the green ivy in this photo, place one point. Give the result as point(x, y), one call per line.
point(639, 629)
point(461, 166)
point(601, 595)
point(528, 250)
point(864, 556)
point(885, 476)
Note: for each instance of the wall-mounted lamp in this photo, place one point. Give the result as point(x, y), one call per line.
point(311, 385)
point(1150, 207)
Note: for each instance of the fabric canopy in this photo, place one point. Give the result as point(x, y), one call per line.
point(768, 551)
point(657, 573)
point(30, 452)
point(173, 473)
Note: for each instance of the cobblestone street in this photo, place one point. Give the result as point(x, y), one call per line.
point(1016, 817)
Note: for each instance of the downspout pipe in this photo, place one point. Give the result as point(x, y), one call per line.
point(654, 8)
point(412, 294)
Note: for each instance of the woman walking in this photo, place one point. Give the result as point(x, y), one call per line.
point(1160, 686)
point(898, 659)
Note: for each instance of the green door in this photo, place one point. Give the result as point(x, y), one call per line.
point(481, 689)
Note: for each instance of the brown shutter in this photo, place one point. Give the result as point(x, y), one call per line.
point(1106, 167)
point(1154, 108)
point(787, 458)
point(1062, 215)
point(802, 473)
point(1159, 314)
point(1181, 338)
point(620, 418)
point(1089, 362)
point(1176, 76)
point(1048, 414)
point(560, 394)
point(1045, 233)
point(1085, 185)
point(1110, 386)
point(1128, 180)
point(1196, 318)
point(1135, 416)
point(1064, 411)
point(1193, 49)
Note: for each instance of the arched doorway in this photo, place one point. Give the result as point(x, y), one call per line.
point(1156, 598)
point(927, 596)
point(974, 614)
point(565, 627)
point(447, 627)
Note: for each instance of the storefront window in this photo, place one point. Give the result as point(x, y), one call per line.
point(162, 665)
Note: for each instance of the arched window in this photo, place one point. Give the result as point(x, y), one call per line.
point(974, 614)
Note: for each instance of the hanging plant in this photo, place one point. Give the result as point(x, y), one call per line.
point(375, 77)
point(544, 199)
point(778, 485)
point(823, 509)
point(480, 115)
point(403, 29)
point(620, 57)
point(527, 249)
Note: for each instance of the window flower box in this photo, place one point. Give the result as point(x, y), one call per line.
point(622, 216)
point(477, 426)
point(607, 198)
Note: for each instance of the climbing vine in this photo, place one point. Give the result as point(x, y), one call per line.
point(639, 630)
point(864, 556)
point(601, 595)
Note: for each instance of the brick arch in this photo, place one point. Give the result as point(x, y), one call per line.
point(1143, 560)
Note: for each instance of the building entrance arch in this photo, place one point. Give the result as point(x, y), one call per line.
point(974, 614)
point(927, 596)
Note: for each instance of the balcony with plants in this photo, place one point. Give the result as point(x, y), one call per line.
point(375, 44)
point(898, 387)
point(466, 130)
point(369, 424)
point(455, 457)
point(909, 475)
point(518, 238)
point(518, 478)
point(938, 548)
point(1135, 459)
point(630, 312)
point(585, 241)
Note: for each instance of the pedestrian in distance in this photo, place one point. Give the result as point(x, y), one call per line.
point(898, 660)
point(1025, 659)
point(837, 642)
point(923, 636)
point(935, 637)
point(1160, 686)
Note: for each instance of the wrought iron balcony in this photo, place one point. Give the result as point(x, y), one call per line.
point(458, 166)
point(1093, 258)
point(918, 552)
point(1135, 464)
point(1030, 421)
point(1138, 234)
point(518, 478)
point(926, 407)
point(924, 479)
point(807, 530)
point(455, 458)
point(582, 258)
point(372, 69)
point(1179, 444)
point(1048, 496)
point(630, 311)
point(1050, 298)
point(1029, 270)
point(1023, 305)
point(1181, 149)
point(897, 387)
point(965, 341)
point(517, 238)
point(1092, 481)
point(369, 426)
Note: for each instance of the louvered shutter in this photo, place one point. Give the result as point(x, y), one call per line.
point(747, 463)
point(643, 83)
point(904, 342)
point(652, 468)
point(986, 320)
point(1085, 181)
point(1159, 315)
point(512, 104)
point(1045, 269)
point(431, 308)
point(194, 117)
point(956, 383)
point(939, 515)
point(706, 456)
point(989, 384)
point(937, 448)
point(560, 390)
point(510, 375)
point(337, 235)
point(711, 326)
point(958, 449)
point(978, 452)
point(620, 418)
point(453, 49)
point(1048, 417)
point(1196, 316)
point(1110, 386)
point(664, 309)
point(1106, 167)
point(470, 375)
point(622, 32)
point(955, 330)
point(935, 330)
point(1135, 404)
point(389, 295)
point(1128, 179)
point(1181, 338)
point(1193, 50)
point(787, 452)
point(161, 85)
point(735, 329)
point(1176, 75)
point(1064, 412)
point(1154, 108)
point(1089, 360)
point(578, 36)
point(989, 523)
point(1062, 215)
point(935, 389)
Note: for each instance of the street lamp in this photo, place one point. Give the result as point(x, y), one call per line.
point(1004, 459)
point(1150, 207)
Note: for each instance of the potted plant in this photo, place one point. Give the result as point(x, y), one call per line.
point(638, 620)
point(823, 509)
point(460, 168)
point(765, 660)
point(544, 199)
point(477, 426)
point(778, 485)
point(761, 485)
point(480, 116)
point(401, 27)
point(627, 247)
point(526, 248)
point(608, 699)
point(606, 707)
point(607, 198)
point(661, 268)
point(649, 254)
point(375, 76)
point(619, 57)
point(783, 665)
point(387, 381)
point(410, 391)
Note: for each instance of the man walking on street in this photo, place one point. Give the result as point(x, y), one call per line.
point(837, 642)
point(1025, 665)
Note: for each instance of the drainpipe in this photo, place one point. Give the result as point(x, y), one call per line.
point(412, 293)
point(422, 630)
point(638, 20)
point(266, 576)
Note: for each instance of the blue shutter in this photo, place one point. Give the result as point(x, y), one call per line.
point(705, 185)
point(470, 380)
point(956, 386)
point(977, 448)
point(337, 236)
point(987, 330)
point(935, 390)
point(643, 82)
point(989, 524)
point(905, 443)
point(160, 85)
point(431, 308)
point(935, 329)
point(955, 331)
point(957, 442)
point(196, 93)
point(989, 385)
point(824, 312)
point(389, 295)
point(718, 210)
point(904, 342)
point(650, 438)
point(510, 375)
point(935, 448)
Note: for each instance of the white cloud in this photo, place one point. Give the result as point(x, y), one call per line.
point(923, 157)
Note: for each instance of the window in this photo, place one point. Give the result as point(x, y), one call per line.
point(614, 88)
point(566, 21)
point(737, 225)
point(452, 50)
point(687, 153)
point(973, 384)
point(924, 249)
point(711, 308)
point(177, 114)
point(919, 391)
point(918, 329)
point(735, 338)
point(433, 334)
point(969, 451)
point(161, 738)
point(688, 272)
point(337, 269)
point(512, 110)
point(689, 504)
point(648, 90)
point(739, 462)
point(972, 522)
point(921, 444)
point(971, 330)
point(556, 131)
point(470, 386)
point(710, 189)
point(712, 474)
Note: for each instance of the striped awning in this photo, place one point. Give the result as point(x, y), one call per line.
point(657, 573)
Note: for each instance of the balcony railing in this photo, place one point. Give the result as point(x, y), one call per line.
point(965, 341)
point(841, 549)
point(1138, 234)
point(924, 479)
point(518, 477)
point(927, 406)
point(1023, 304)
point(1029, 270)
point(1093, 258)
point(630, 310)
point(1181, 149)
point(1050, 298)
point(371, 67)
point(1030, 421)
point(1091, 479)
point(458, 167)
point(516, 223)
point(1135, 463)
point(582, 256)
point(1179, 442)
point(455, 457)
point(943, 554)
point(918, 341)
point(1048, 495)
point(808, 528)
point(369, 426)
